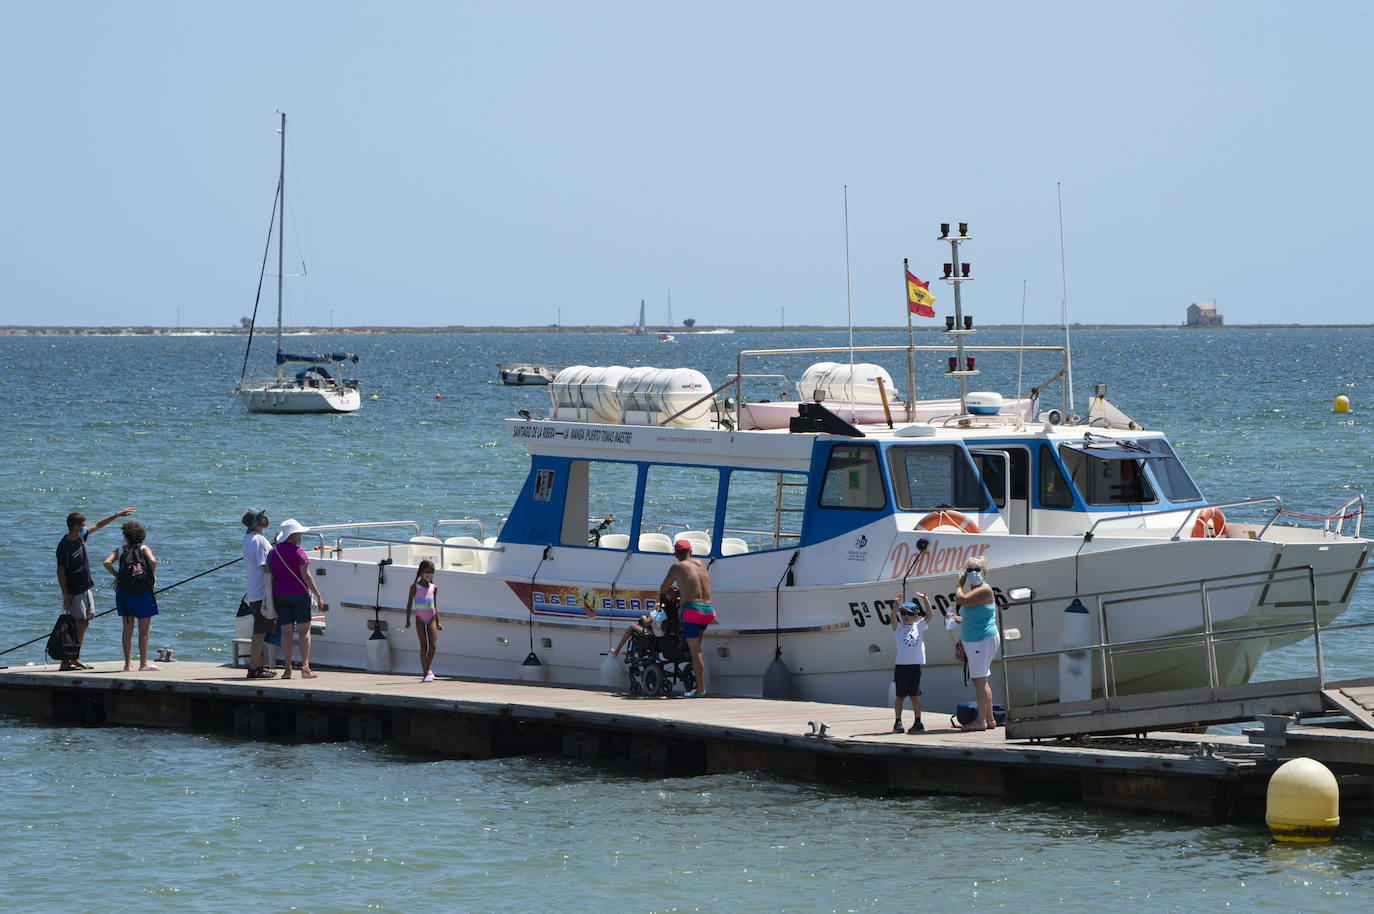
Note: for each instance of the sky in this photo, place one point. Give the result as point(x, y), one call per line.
point(532, 163)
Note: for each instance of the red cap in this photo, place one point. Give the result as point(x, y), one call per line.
point(682, 546)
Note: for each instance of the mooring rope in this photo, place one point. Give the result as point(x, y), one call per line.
point(155, 593)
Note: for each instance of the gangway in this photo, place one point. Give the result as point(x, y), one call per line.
point(1108, 711)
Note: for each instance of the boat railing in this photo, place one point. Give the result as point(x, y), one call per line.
point(463, 521)
point(1108, 654)
point(1188, 512)
point(410, 545)
point(1339, 516)
point(318, 531)
point(740, 374)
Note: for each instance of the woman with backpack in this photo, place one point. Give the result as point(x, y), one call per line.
point(133, 567)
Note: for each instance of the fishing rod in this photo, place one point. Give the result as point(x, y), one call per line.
point(155, 593)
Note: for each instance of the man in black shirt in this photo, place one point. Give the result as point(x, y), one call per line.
point(74, 575)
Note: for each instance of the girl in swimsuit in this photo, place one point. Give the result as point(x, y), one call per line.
point(424, 601)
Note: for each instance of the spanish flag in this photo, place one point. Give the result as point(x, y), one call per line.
point(918, 297)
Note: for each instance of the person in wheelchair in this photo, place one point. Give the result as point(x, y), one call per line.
point(655, 651)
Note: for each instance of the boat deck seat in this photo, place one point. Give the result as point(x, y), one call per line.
point(615, 541)
point(655, 542)
point(464, 559)
point(700, 540)
point(733, 545)
point(426, 547)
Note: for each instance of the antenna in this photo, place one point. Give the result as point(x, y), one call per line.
point(849, 301)
point(1064, 276)
point(1021, 361)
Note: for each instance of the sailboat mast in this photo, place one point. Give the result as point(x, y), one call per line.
point(281, 237)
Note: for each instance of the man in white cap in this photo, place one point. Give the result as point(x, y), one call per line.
point(292, 587)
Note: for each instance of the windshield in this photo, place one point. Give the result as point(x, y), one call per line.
point(930, 476)
point(1168, 471)
point(1107, 480)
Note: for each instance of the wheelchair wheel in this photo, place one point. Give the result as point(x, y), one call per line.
point(653, 680)
point(688, 678)
point(636, 687)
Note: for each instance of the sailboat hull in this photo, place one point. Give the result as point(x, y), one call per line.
point(299, 400)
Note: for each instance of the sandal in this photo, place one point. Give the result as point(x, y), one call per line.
point(973, 728)
point(309, 674)
point(286, 674)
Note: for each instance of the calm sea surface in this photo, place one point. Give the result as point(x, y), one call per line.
point(116, 819)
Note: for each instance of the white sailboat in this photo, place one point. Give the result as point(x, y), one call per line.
point(313, 389)
point(639, 327)
point(667, 335)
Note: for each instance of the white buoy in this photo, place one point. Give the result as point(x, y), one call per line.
point(1075, 670)
point(378, 652)
point(612, 673)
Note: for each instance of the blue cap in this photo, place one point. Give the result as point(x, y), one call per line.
point(910, 607)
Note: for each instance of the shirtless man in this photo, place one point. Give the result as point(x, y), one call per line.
point(694, 586)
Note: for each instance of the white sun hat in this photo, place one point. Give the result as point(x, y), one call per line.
point(290, 527)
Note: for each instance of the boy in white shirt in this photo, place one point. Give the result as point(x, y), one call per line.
point(909, 626)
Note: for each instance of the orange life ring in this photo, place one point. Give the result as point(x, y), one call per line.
point(945, 518)
point(1209, 517)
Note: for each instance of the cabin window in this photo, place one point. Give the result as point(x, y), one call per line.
point(1168, 471)
point(677, 500)
point(1054, 488)
point(597, 490)
point(1107, 481)
point(763, 511)
point(933, 476)
point(853, 479)
point(993, 469)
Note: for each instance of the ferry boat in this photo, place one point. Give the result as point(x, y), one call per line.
point(814, 527)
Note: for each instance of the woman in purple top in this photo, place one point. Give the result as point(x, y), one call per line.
point(292, 587)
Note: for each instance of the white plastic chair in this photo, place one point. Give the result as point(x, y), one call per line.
point(655, 542)
point(700, 540)
point(464, 559)
point(615, 541)
point(418, 552)
point(733, 545)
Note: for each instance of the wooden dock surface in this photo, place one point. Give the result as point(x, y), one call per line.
point(1199, 776)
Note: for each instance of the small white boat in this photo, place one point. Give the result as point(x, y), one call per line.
point(667, 338)
point(313, 389)
point(519, 374)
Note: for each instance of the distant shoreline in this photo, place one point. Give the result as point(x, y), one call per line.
point(16, 330)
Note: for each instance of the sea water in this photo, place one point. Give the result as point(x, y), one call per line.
point(123, 819)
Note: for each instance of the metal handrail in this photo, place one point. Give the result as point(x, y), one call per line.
point(375, 540)
point(481, 530)
point(1208, 638)
point(1190, 510)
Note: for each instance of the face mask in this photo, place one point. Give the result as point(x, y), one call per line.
point(975, 578)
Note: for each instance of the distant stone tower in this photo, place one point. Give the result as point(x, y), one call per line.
point(1203, 314)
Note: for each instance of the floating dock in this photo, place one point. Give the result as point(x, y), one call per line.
point(1199, 776)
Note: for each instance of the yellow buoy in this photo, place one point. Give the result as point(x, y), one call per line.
point(1303, 804)
point(1342, 404)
